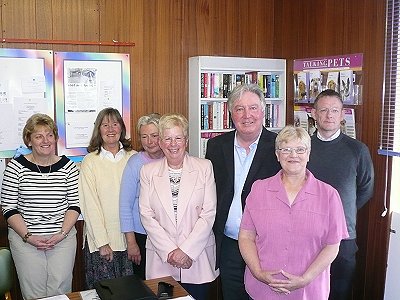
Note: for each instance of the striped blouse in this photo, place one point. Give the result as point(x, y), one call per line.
point(41, 196)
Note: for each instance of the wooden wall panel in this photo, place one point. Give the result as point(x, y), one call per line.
point(167, 32)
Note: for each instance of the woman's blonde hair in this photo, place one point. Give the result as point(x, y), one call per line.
point(33, 122)
point(290, 133)
point(169, 121)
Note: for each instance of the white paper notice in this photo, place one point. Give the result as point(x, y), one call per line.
point(79, 128)
point(108, 95)
point(81, 90)
point(33, 84)
point(26, 107)
point(2, 168)
point(8, 133)
point(4, 92)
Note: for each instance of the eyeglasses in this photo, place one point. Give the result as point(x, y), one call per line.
point(288, 150)
point(179, 140)
point(333, 111)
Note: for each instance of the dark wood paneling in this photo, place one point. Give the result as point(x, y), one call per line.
point(167, 32)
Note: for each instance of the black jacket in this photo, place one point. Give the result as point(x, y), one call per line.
point(220, 152)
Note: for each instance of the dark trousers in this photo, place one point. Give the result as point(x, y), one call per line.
point(197, 291)
point(140, 269)
point(231, 269)
point(343, 270)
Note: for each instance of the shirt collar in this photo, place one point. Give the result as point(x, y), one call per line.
point(337, 133)
point(253, 144)
point(107, 154)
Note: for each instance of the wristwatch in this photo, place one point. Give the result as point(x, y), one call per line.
point(26, 237)
point(63, 233)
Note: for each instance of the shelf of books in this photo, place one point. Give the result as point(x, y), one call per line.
point(211, 78)
point(342, 73)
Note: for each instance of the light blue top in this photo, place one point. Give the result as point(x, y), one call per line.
point(129, 193)
point(242, 166)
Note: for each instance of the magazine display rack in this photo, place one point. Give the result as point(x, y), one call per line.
point(341, 73)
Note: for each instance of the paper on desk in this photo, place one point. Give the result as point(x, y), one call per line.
point(90, 295)
point(59, 297)
point(188, 297)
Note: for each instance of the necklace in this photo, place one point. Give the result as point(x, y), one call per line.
point(44, 175)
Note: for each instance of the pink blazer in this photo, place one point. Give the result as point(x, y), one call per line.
point(192, 232)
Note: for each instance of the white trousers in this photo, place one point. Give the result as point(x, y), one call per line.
point(43, 273)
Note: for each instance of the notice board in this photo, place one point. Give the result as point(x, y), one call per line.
point(26, 87)
point(85, 83)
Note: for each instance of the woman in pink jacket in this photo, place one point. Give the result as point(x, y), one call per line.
point(177, 207)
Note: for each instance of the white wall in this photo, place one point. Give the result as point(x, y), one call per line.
point(392, 287)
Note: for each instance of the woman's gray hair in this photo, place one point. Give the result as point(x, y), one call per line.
point(153, 118)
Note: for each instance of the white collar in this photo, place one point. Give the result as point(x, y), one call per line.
point(334, 136)
point(107, 154)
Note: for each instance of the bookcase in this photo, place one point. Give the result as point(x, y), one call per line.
point(211, 78)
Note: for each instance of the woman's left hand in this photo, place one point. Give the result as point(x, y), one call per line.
point(55, 239)
point(178, 258)
point(106, 252)
point(293, 283)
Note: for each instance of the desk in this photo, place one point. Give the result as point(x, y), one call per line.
point(179, 291)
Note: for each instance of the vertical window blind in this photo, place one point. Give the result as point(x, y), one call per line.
point(390, 118)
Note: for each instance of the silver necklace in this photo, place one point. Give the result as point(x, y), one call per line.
point(44, 175)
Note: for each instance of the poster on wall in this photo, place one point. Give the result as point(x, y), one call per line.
point(85, 83)
point(342, 73)
point(26, 87)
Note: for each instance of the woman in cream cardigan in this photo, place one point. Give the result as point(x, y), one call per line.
point(99, 184)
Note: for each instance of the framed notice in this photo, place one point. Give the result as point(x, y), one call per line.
point(26, 87)
point(85, 83)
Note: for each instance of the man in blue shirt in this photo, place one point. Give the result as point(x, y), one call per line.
point(239, 158)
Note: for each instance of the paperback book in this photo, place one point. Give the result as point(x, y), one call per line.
point(346, 86)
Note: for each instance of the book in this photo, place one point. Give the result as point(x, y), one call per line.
point(303, 118)
point(332, 81)
point(206, 122)
point(267, 86)
point(210, 115)
point(268, 115)
point(301, 94)
point(202, 85)
point(215, 115)
point(273, 86)
point(226, 81)
point(277, 88)
point(348, 124)
point(217, 86)
point(346, 86)
point(211, 86)
point(202, 119)
point(315, 84)
point(252, 77)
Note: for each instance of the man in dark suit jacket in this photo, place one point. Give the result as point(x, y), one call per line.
point(239, 158)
